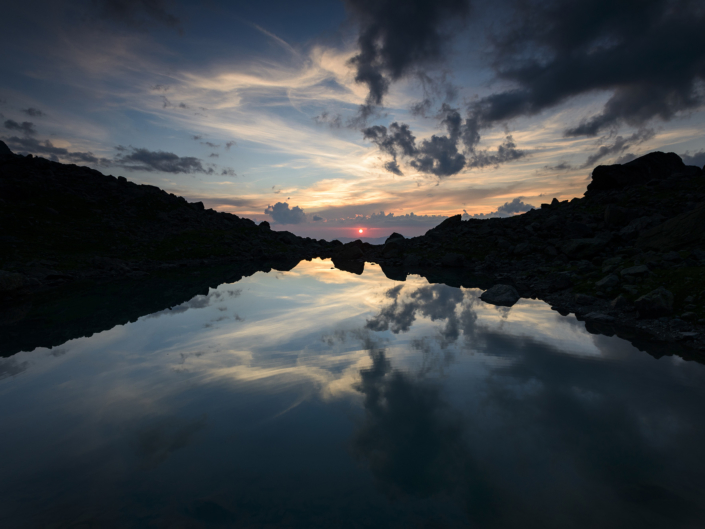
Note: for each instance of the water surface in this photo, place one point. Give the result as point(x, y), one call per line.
point(321, 398)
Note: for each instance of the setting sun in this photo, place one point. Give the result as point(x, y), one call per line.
point(360, 230)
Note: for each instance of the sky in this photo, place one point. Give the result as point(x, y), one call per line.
point(327, 117)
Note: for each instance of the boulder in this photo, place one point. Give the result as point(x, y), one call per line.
point(653, 165)
point(522, 248)
point(584, 299)
point(453, 260)
point(5, 151)
point(450, 222)
point(615, 215)
point(620, 302)
point(393, 248)
point(609, 281)
point(636, 226)
point(264, 226)
point(679, 232)
point(636, 271)
point(655, 304)
point(584, 248)
point(349, 251)
point(393, 236)
point(502, 295)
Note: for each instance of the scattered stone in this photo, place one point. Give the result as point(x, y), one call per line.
point(584, 299)
point(655, 304)
point(599, 317)
point(609, 281)
point(636, 271)
point(620, 302)
point(502, 295)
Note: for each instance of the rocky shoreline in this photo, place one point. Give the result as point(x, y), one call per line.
point(628, 257)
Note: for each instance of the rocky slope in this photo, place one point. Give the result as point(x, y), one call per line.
point(628, 257)
point(63, 223)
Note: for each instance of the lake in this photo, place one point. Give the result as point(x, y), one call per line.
point(321, 398)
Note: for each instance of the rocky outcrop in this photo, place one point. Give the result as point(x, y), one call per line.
point(501, 295)
point(62, 223)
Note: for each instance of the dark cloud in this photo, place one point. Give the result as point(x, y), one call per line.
point(229, 144)
point(697, 158)
point(46, 148)
point(506, 152)
point(228, 172)
point(213, 155)
point(160, 88)
point(196, 137)
point(619, 145)
point(137, 14)
point(33, 112)
point(138, 159)
point(440, 155)
point(26, 127)
point(396, 36)
point(649, 54)
point(334, 121)
point(183, 105)
point(10, 367)
point(434, 89)
point(210, 144)
point(508, 209)
point(281, 214)
point(316, 218)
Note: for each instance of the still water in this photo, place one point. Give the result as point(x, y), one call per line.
point(321, 398)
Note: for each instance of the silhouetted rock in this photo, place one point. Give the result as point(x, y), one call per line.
point(502, 295)
point(453, 260)
point(5, 151)
point(638, 171)
point(655, 304)
point(393, 236)
point(348, 252)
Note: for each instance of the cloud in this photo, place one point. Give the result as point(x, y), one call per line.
point(316, 218)
point(508, 209)
point(33, 112)
point(10, 367)
point(396, 36)
point(697, 158)
point(334, 121)
point(33, 146)
point(281, 214)
point(26, 127)
point(210, 144)
point(229, 144)
point(383, 220)
point(139, 159)
point(650, 56)
point(620, 145)
point(439, 155)
point(506, 152)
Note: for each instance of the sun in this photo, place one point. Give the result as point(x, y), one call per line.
point(360, 230)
